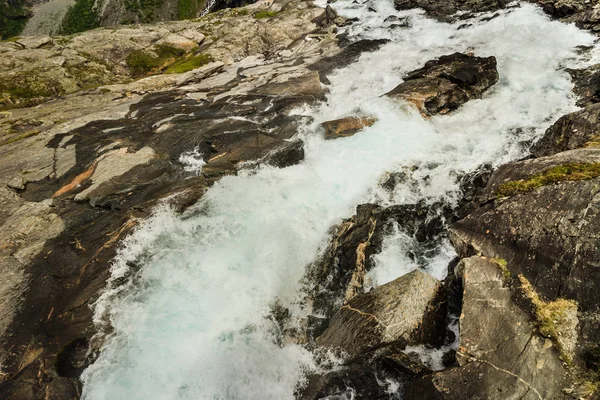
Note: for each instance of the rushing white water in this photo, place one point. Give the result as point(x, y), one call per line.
point(193, 324)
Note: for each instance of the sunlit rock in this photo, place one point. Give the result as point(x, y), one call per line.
point(405, 310)
point(346, 126)
point(445, 84)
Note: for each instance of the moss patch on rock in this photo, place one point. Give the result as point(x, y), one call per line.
point(556, 319)
point(188, 64)
point(265, 14)
point(27, 90)
point(559, 173)
point(142, 63)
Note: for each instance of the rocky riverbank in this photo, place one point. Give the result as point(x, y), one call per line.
point(99, 128)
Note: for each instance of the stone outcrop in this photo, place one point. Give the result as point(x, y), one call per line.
point(445, 84)
point(501, 354)
point(540, 216)
point(36, 68)
point(397, 312)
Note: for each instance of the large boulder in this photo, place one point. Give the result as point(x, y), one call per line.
point(542, 217)
point(445, 84)
point(402, 311)
point(501, 354)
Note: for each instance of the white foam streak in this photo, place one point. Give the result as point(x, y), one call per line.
point(192, 324)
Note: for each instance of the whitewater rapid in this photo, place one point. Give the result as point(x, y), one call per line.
point(194, 323)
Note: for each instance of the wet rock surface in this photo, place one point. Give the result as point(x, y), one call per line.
point(445, 11)
point(79, 173)
point(445, 84)
point(346, 126)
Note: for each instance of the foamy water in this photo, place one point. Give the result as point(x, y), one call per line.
point(194, 323)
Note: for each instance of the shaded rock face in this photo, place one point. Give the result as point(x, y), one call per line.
point(572, 131)
point(444, 11)
point(346, 126)
point(548, 233)
point(445, 84)
point(501, 354)
point(585, 14)
point(587, 85)
point(395, 312)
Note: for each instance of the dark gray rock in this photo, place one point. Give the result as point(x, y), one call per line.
point(549, 234)
point(445, 84)
point(445, 10)
point(501, 355)
point(571, 131)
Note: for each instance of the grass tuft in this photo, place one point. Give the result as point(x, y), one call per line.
point(188, 64)
point(265, 14)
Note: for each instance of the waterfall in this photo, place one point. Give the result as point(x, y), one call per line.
point(193, 324)
point(209, 6)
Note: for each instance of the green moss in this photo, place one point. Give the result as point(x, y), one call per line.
point(188, 64)
point(560, 173)
point(265, 14)
point(81, 16)
point(142, 63)
point(503, 265)
point(20, 137)
point(552, 316)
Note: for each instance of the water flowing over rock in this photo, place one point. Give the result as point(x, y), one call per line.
point(445, 84)
point(446, 11)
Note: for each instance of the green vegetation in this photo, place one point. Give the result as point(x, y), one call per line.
point(265, 14)
point(27, 89)
point(142, 63)
point(188, 64)
point(20, 137)
point(503, 265)
point(188, 9)
point(554, 318)
point(13, 18)
point(560, 173)
point(143, 9)
point(81, 16)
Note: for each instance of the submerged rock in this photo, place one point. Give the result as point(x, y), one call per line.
point(346, 126)
point(445, 84)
